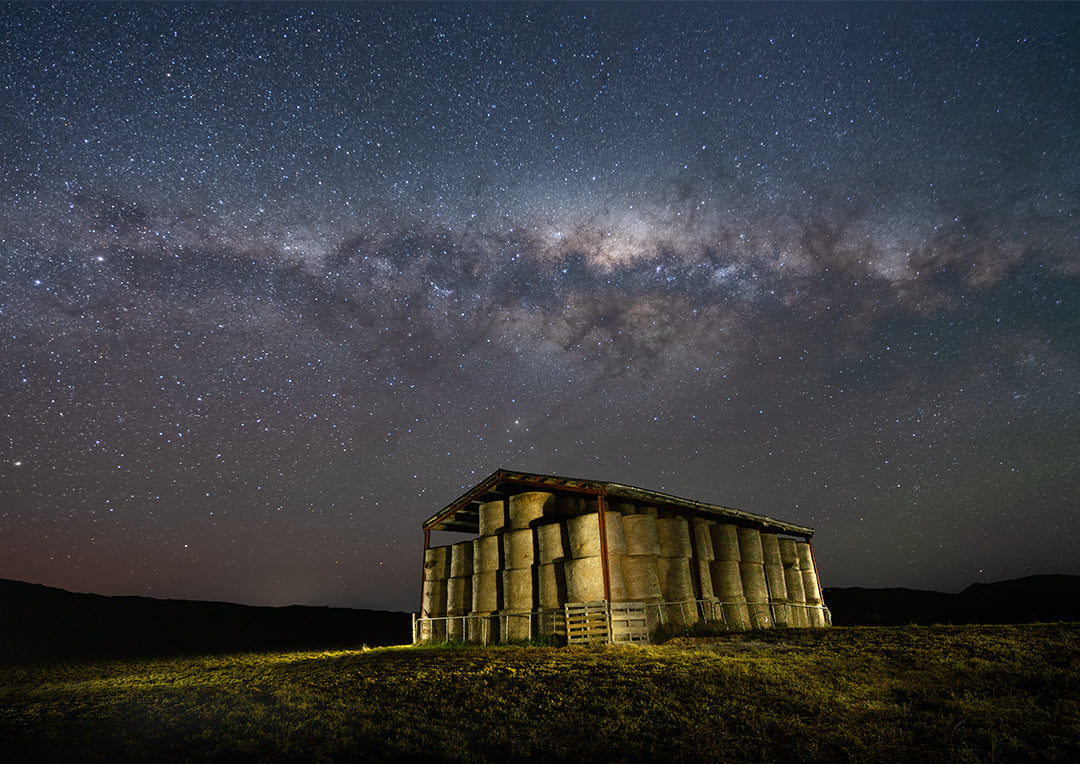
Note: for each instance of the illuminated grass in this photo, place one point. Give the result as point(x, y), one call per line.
point(971, 693)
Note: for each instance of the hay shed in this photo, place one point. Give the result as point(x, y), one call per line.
point(585, 560)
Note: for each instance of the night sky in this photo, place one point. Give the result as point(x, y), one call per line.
point(279, 282)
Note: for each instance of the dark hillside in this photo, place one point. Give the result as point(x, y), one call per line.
point(1033, 599)
point(40, 622)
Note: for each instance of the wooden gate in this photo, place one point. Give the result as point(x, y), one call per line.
point(619, 622)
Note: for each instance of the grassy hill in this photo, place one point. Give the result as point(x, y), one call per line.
point(942, 693)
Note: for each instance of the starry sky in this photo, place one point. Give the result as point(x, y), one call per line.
point(278, 282)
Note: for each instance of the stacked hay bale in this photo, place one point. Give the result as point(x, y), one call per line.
point(459, 589)
point(537, 551)
point(552, 554)
point(485, 587)
point(585, 568)
point(433, 604)
point(775, 580)
point(551, 576)
point(640, 574)
point(793, 579)
point(519, 560)
point(616, 552)
point(727, 576)
point(752, 571)
point(811, 589)
point(704, 555)
point(487, 571)
point(673, 566)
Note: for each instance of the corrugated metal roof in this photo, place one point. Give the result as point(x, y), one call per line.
point(463, 513)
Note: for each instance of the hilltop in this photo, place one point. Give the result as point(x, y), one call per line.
point(42, 622)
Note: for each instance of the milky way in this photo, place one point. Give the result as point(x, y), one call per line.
point(279, 282)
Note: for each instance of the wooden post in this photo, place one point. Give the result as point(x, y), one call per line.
point(601, 506)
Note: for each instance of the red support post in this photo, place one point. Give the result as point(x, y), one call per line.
point(600, 507)
point(423, 568)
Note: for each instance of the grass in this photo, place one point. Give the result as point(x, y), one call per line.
point(967, 693)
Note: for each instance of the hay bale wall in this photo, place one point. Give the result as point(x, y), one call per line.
point(539, 550)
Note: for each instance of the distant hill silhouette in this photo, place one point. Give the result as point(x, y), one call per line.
point(1033, 599)
point(42, 623)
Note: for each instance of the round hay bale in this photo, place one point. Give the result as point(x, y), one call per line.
point(518, 589)
point(616, 537)
point(750, 545)
point(703, 545)
point(727, 580)
point(551, 622)
point(616, 581)
point(485, 591)
point(759, 616)
point(432, 631)
point(480, 628)
point(641, 578)
point(515, 625)
point(437, 563)
point(458, 595)
point(640, 534)
point(782, 614)
point(796, 597)
point(725, 538)
point(584, 532)
point(551, 582)
point(676, 582)
point(461, 559)
point(455, 628)
point(550, 545)
point(705, 578)
point(492, 517)
point(753, 580)
point(683, 612)
point(528, 508)
point(434, 598)
point(789, 553)
point(793, 582)
point(736, 615)
point(811, 591)
point(777, 581)
point(757, 594)
point(519, 549)
point(770, 549)
point(712, 611)
point(485, 554)
point(673, 533)
point(584, 579)
point(774, 569)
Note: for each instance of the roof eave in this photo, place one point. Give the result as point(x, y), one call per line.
point(448, 518)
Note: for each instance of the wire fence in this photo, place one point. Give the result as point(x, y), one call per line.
point(492, 628)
